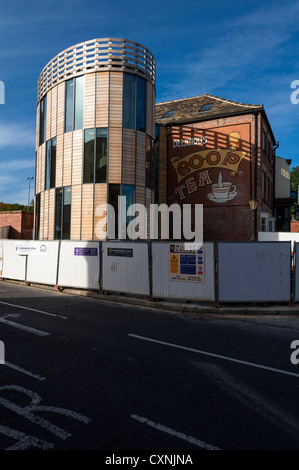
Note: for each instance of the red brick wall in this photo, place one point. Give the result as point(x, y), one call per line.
point(294, 226)
point(21, 224)
point(236, 222)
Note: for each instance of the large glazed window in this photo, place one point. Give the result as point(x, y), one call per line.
point(88, 173)
point(37, 216)
point(128, 191)
point(63, 202)
point(74, 104)
point(66, 213)
point(140, 105)
point(50, 164)
point(101, 155)
point(134, 102)
point(95, 155)
point(42, 120)
point(58, 213)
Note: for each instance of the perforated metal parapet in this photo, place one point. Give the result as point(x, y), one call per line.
point(94, 56)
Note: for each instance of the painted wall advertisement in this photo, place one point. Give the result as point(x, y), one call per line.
point(186, 265)
point(210, 166)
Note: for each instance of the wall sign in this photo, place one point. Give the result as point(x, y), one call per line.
point(31, 248)
point(125, 252)
point(85, 251)
point(185, 265)
point(217, 173)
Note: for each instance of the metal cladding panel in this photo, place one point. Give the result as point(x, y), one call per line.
point(79, 264)
point(13, 265)
point(163, 287)
point(125, 267)
point(254, 271)
point(42, 268)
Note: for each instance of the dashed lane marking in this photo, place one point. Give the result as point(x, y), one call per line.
point(24, 371)
point(19, 326)
point(34, 310)
point(218, 356)
point(173, 432)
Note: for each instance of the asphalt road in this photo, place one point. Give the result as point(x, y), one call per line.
point(87, 374)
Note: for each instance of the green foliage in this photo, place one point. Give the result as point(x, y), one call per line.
point(16, 207)
point(294, 178)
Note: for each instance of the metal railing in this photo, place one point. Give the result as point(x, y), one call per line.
point(95, 56)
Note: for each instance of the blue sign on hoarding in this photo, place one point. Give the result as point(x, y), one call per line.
point(84, 251)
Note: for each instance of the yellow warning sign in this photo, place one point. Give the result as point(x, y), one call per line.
point(174, 264)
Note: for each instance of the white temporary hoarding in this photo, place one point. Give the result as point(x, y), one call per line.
point(79, 265)
point(254, 271)
point(43, 269)
point(13, 265)
point(197, 286)
point(125, 267)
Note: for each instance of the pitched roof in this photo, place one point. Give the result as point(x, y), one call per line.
point(189, 110)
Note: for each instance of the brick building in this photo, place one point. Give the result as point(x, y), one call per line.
point(16, 224)
point(221, 154)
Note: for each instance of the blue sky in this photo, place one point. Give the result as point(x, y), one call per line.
point(243, 51)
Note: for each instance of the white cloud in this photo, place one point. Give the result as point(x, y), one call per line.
point(239, 53)
point(17, 135)
point(17, 165)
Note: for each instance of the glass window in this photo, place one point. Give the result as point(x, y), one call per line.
point(63, 204)
point(101, 155)
point(114, 192)
point(169, 114)
point(141, 104)
point(128, 191)
point(74, 104)
point(42, 120)
point(148, 162)
point(88, 174)
point(66, 217)
point(50, 164)
point(79, 102)
point(263, 225)
point(69, 105)
point(95, 155)
point(37, 216)
point(129, 101)
point(58, 214)
point(205, 107)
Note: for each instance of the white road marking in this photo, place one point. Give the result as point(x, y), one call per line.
point(29, 410)
point(22, 327)
point(24, 371)
point(174, 433)
point(34, 310)
point(24, 441)
point(218, 356)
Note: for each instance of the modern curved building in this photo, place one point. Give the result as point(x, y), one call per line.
point(95, 136)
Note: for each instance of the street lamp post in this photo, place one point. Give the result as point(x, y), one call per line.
point(29, 178)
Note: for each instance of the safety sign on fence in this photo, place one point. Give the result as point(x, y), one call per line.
point(186, 265)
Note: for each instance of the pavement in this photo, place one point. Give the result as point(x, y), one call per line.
point(279, 313)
